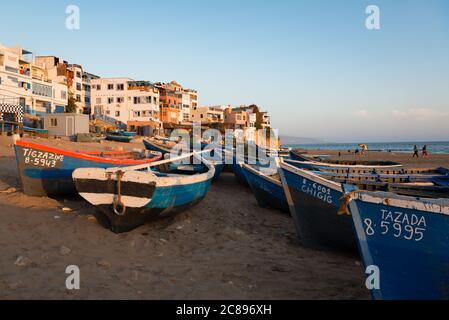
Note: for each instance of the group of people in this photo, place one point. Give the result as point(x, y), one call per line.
point(423, 151)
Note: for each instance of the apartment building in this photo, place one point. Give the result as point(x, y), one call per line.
point(21, 78)
point(81, 87)
point(207, 115)
point(124, 100)
point(72, 75)
point(177, 102)
point(235, 119)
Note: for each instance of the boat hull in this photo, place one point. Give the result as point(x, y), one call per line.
point(153, 147)
point(314, 208)
point(409, 246)
point(267, 192)
point(118, 138)
point(145, 196)
point(45, 171)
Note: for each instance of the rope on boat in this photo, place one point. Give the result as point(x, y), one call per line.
point(118, 206)
point(344, 202)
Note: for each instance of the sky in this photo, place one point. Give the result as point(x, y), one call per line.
point(312, 64)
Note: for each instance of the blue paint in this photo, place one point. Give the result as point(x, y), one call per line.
point(178, 195)
point(302, 184)
point(266, 191)
point(409, 269)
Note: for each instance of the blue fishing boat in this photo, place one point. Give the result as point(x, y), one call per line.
point(118, 137)
point(126, 133)
point(214, 158)
point(266, 186)
point(406, 239)
point(35, 130)
point(163, 148)
point(47, 171)
point(347, 166)
point(314, 203)
point(126, 198)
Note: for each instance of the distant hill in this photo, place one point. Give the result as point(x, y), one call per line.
point(299, 140)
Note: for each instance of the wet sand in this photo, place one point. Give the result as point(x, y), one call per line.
point(404, 158)
point(224, 248)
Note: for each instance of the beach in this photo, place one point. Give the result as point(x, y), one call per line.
point(226, 247)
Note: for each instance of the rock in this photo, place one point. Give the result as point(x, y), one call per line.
point(14, 285)
point(91, 218)
point(57, 217)
point(357, 263)
point(22, 261)
point(9, 190)
point(104, 264)
point(66, 209)
point(63, 250)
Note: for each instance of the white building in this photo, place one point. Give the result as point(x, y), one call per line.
point(22, 78)
point(125, 100)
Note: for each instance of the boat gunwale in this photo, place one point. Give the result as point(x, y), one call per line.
point(248, 167)
point(437, 205)
point(84, 156)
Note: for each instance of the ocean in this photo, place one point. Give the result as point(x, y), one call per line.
point(432, 147)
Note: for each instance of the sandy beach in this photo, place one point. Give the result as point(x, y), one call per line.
point(224, 248)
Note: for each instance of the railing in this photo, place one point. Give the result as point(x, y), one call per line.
point(11, 127)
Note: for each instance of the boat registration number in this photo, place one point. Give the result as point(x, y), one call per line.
point(317, 190)
point(401, 225)
point(41, 158)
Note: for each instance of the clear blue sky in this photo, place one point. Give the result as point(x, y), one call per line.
point(312, 64)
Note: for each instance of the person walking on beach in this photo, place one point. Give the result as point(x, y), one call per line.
point(424, 151)
point(415, 151)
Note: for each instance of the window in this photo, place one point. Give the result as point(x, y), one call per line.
point(201, 116)
point(63, 95)
point(117, 113)
point(78, 98)
point(53, 122)
point(110, 86)
point(78, 74)
point(120, 87)
point(110, 100)
point(98, 86)
point(136, 113)
point(108, 112)
point(78, 86)
point(120, 99)
point(98, 100)
point(86, 99)
point(136, 100)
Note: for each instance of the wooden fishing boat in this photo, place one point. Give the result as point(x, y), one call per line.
point(214, 156)
point(314, 200)
point(126, 198)
point(348, 166)
point(47, 171)
point(266, 186)
point(163, 147)
point(116, 136)
point(406, 238)
point(126, 133)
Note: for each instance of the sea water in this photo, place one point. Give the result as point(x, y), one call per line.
point(432, 147)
